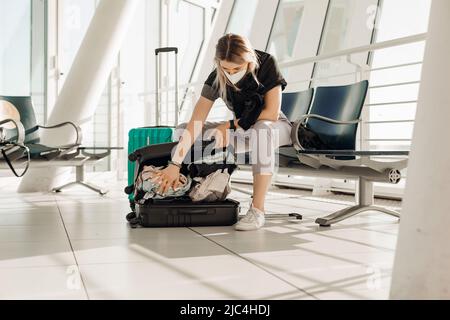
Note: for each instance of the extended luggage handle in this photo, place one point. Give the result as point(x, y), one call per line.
point(166, 49)
point(157, 102)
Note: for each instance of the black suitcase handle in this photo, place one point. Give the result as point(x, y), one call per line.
point(196, 211)
point(166, 49)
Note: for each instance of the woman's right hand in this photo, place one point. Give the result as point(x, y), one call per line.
point(168, 177)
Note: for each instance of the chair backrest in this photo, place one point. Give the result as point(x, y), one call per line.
point(342, 103)
point(296, 104)
point(24, 106)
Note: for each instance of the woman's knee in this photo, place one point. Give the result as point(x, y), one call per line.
point(262, 132)
point(263, 125)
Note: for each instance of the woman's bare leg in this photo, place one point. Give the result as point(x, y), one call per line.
point(261, 183)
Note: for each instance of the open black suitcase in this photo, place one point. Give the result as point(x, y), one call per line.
point(177, 212)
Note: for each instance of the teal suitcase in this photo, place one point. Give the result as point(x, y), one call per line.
point(142, 137)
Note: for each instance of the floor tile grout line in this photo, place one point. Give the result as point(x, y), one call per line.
point(73, 252)
point(254, 264)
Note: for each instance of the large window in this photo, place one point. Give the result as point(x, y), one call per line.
point(241, 19)
point(393, 108)
point(15, 47)
point(391, 104)
point(345, 27)
point(74, 18)
point(182, 24)
point(283, 37)
point(22, 51)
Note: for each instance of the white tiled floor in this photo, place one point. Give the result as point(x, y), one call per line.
point(77, 245)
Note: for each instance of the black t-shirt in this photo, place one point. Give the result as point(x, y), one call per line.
point(248, 103)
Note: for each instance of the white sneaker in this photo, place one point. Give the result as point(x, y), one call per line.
point(253, 220)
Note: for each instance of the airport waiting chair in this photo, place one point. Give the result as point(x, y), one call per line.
point(333, 117)
point(24, 107)
point(70, 155)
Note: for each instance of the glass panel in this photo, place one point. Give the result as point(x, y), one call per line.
point(286, 28)
point(391, 131)
point(22, 51)
point(393, 112)
point(38, 57)
point(402, 18)
point(401, 74)
point(187, 31)
point(188, 34)
point(394, 94)
point(15, 47)
point(398, 18)
point(346, 27)
point(137, 62)
point(242, 17)
point(74, 20)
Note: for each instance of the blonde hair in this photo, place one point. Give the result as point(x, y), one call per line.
point(236, 49)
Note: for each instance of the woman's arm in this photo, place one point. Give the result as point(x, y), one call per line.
point(272, 101)
point(193, 129)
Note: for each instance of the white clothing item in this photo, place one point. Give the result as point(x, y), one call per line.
point(215, 187)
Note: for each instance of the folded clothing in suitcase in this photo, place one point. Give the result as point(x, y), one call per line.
point(181, 211)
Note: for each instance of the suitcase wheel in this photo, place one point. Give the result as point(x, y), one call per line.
point(131, 216)
point(129, 189)
point(134, 223)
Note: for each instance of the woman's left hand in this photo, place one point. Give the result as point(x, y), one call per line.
point(168, 177)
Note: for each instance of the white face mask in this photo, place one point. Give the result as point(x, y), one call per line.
point(235, 78)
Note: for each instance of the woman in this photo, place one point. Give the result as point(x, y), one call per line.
point(250, 84)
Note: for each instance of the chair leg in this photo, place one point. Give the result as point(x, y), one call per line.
point(79, 180)
point(95, 188)
point(350, 212)
point(59, 189)
point(364, 203)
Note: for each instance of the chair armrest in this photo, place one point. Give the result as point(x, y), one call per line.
point(322, 118)
point(77, 130)
point(294, 136)
point(20, 130)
